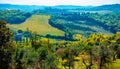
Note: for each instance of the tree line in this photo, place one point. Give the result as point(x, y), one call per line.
point(14, 16)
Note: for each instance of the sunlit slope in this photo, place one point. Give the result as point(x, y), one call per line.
point(39, 24)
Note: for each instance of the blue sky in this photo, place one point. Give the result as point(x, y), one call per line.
point(61, 2)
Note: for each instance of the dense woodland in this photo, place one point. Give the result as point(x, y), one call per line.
point(91, 40)
point(14, 16)
point(87, 22)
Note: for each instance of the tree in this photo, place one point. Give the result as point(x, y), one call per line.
point(6, 46)
point(68, 34)
point(87, 57)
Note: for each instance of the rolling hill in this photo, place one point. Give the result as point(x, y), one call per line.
point(79, 23)
point(25, 8)
point(110, 7)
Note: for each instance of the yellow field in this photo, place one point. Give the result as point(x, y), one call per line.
point(38, 24)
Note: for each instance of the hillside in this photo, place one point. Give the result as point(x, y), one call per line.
point(113, 7)
point(14, 16)
point(79, 23)
point(37, 23)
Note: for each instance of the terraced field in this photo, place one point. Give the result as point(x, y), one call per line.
point(38, 24)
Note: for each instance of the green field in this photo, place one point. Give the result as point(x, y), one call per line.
point(38, 24)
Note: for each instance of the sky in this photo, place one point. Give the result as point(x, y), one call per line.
point(61, 2)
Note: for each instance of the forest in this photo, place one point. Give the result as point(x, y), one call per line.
point(85, 38)
point(14, 16)
point(87, 22)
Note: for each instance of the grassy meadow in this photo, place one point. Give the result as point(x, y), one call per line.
point(38, 24)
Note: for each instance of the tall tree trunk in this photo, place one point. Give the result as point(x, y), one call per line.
point(114, 57)
point(100, 66)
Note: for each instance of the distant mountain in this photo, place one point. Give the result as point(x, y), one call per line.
point(112, 7)
point(108, 7)
point(72, 7)
point(27, 8)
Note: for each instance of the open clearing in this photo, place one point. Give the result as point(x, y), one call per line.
point(38, 24)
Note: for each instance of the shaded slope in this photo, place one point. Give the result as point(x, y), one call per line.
point(78, 23)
